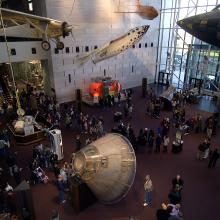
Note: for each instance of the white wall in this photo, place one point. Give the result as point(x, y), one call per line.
point(99, 23)
point(23, 51)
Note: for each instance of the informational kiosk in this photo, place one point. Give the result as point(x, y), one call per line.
point(56, 142)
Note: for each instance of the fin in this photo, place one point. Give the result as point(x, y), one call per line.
point(81, 60)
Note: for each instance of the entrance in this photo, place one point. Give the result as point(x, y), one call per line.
point(163, 78)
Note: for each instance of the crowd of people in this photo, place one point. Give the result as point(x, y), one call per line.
point(171, 210)
point(68, 117)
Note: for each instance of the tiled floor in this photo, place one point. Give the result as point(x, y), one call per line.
point(201, 192)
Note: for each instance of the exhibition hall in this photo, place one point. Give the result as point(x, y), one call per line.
point(109, 109)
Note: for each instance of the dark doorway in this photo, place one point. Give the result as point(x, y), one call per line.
point(163, 78)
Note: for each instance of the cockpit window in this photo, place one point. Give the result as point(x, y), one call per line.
point(216, 8)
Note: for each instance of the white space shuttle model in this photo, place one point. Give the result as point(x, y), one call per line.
point(114, 47)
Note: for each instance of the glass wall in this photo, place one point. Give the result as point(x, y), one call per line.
point(203, 65)
point(176, 46)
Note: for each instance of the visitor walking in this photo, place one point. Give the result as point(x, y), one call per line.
point(166, 142)
point(148, 188)
point(213, 159)
point(61, 189)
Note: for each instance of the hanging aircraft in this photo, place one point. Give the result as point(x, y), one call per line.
point(146, 11)
point(114, 47)
point(205, 27)
point(48, 28)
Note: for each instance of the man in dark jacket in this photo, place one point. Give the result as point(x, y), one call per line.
point(11, 161)
point(78, 143)
point(61, 188)
point(174, 196)
point(177, 182)
point(158, 142)
point(214, 157)
point(163, 213)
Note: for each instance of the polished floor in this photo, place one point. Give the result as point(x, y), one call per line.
point(201, 192)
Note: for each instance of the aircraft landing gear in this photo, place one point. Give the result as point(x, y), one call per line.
point(45, 45)
point(60, 45)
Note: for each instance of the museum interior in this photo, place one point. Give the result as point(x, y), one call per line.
point(109, 109)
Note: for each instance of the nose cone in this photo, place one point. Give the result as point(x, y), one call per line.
point(69, 28)
point(181, 23)
point(152, 13)
point(145, 28)
point(202, 27)
point(190, 23)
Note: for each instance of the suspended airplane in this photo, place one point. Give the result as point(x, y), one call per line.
point(48, 28)
point(114, 47)
point(146, 11)
point(205, 27)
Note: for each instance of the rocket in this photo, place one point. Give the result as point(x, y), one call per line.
point(205, 27)
point(114, 47)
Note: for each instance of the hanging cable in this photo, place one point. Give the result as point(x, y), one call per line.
point(20, 111)
point(7, 47)
point(71, 11)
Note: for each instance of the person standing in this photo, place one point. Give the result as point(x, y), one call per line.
point(56, 170)
point(61, 189)
point(11, 161)
point(126, 109)
point(78, 143)
point(214, 157)
point(17, 173)
point(166, 141)
point(209, 131)
point(148, 188)
point(119, 99)
point(130, 110)
point(158, 142)
point(177, 183)
point(55, 215)
point(3, 145)
point(150, 140)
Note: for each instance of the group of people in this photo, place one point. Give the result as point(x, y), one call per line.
point(93, 127)
point(171, 210)
point(43, 158)
point(147, 138)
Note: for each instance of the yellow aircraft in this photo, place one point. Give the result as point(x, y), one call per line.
point(48, 28)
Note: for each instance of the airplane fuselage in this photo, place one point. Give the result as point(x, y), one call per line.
point(120, 44)
point(205, 27)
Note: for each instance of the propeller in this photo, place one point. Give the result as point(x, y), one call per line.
point(65, 29)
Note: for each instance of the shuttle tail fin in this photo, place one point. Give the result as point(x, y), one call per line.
point(81, 60)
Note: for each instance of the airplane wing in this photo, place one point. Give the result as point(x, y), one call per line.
point(21, 17)
point(42, 24)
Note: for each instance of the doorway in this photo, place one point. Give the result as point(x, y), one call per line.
point(163, 78)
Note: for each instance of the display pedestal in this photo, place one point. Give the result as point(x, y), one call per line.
point(28, 129)
point(177, 147)
point(81, 196)
point(117, 116)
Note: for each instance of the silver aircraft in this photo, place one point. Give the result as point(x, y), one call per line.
point(114, 47)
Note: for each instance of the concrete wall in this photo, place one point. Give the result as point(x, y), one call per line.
point(100, 21)
point(23, 51)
